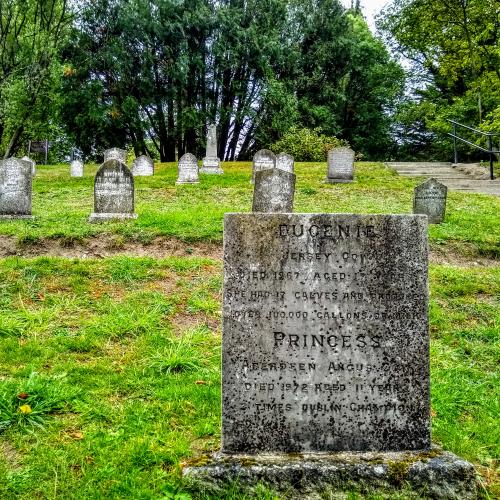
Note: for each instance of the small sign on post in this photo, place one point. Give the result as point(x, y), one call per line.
point(39, 147)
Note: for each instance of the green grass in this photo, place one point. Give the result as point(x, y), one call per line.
point(110, 368)
point(119, 360)
point(62, 205)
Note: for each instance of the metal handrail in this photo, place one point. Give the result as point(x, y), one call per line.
point(490, 136)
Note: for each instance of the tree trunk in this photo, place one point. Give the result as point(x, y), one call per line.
point(14, 142)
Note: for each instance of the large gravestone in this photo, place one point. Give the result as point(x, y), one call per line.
point(76, 168)
point(340, 165)
point(115, 154)
point(325, 356)
point(430, 199)
point(285, 162)
point(188, 170)
point(263, 160)
point(211, 163)
point(325, 340)
point(32, 163)
point(274, 191)
point(15, 189)
point(142, 166)
point(113, 192)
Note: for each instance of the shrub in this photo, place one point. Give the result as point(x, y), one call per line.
point(306, 145)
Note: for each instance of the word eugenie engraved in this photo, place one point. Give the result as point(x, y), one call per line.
point(325, 336)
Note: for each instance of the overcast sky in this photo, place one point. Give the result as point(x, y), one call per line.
point(370, 9)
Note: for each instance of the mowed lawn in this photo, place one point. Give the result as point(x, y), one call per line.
point(110, 368)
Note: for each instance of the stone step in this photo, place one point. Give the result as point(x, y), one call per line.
point(437, 164)
point(453, 178)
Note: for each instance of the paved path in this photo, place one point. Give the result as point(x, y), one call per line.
point(445, 173)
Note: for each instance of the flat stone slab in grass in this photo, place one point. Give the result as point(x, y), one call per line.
point(188, 170)
point(15, 189)
point(340, 165)
point(430, 199)
point(429, 474)
point(143, 166)
point(325, 333)
point(113, 193)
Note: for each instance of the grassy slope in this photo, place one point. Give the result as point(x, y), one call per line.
point(62, 205)
point(119, 358)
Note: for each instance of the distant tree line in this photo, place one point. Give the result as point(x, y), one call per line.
point(452, 47)
point(152, 74)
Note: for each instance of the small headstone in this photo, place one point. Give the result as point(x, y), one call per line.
point(115, 154)
point(263, 160)
point(188, 170)
point(143, 166)
point(113, 192)
point(76, 168)
point(325, 333)
point(340, 165)
point(430, 199)
point(15, 189)
point(285, 162)
point(211, 163)
point(32, 163)
point(274, 191)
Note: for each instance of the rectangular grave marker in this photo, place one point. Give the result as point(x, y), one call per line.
point(263, 160)
point(76, 168)
point(430, 199)
point(340, 165)
point(188, 170)
point(325, 333)
point(15, 189)
point(274, 191)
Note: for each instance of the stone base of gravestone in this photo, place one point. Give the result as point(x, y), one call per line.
point(102, 217)
point(12, 217)
point(329, 180)
point(211, 166)
point(434, 473)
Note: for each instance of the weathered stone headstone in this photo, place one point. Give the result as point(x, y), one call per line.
point(285, 162)
point(76, 168)
point(274, 191)
point(430, 199)
point(115, 154)
point(15, 189)
point(211, 163)
point(143, 166)
point(113, 192)
point(32, 163)
point(263, 160)
point(188, 170)
point(325, 356)
point(325, 337)
point(340, 165)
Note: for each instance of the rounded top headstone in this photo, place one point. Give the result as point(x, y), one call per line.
point(285, 162)
point(262, 153)
point(188, 157)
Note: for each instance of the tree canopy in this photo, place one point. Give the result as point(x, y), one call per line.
point(153, 74)
point(453, 49)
